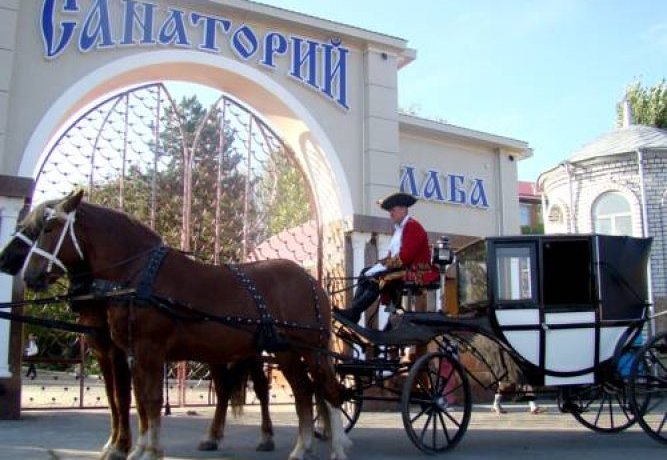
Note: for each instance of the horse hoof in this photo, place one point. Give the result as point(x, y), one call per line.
point(305, 456)
point(208, 445)
point(266, 446)
point(114, 454)
point(152, 453)
point(136, 454)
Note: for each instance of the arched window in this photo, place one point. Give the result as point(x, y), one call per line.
point(556, 215)
point(611, 214)
point(556, 220)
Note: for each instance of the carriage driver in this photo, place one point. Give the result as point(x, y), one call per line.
point(408, 259)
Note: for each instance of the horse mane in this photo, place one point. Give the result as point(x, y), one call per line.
point(133, 224)
point(32, 223)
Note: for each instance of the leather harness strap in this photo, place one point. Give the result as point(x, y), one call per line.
point(267, 337)
point(145, 287)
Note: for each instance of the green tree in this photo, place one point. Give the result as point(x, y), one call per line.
point(291, 205)
point(649, 105)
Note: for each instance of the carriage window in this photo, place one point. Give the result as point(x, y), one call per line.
point(514, 273)
point(471, 278)
point(567, 263)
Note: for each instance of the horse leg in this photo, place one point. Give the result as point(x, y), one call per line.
point(118, 444)
point(328, 389)
point(104, 360)
point(123, 399)
point(147, 378)
point(302, 388)
point(140, 447)
point(222, 392)
point(262, 388)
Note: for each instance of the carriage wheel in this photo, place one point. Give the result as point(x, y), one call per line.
point(351, 408)
point(604, 408)
point(436, 402)
point(648, 388)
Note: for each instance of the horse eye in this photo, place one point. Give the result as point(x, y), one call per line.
point(48, 226)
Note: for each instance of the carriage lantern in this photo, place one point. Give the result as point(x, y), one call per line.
point(442, 253)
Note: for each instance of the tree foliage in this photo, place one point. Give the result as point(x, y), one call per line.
point(292, 205)
point(649, 105)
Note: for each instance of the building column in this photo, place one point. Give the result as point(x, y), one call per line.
point(359, 241)
point(9, 212)
point(381, 160)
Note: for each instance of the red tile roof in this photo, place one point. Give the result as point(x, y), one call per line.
point(298, 244)
point(527, 190)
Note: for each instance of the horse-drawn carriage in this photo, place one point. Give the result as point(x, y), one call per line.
point(570, 312)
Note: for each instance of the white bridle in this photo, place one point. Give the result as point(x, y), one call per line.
point(19, 235)
point(68, 228)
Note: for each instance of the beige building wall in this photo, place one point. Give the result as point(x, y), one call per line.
point(8, 20)
point(477, 157)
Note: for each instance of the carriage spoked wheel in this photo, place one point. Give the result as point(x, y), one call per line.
point(436, 402)
point(648, 387)
point(351, 407)
point(604, 408)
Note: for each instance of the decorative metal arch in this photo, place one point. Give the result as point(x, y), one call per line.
point(216, 181)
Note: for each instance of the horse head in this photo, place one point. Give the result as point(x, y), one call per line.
point(15, 252)
point(55, 246)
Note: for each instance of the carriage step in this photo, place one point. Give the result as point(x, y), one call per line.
point(366, 368)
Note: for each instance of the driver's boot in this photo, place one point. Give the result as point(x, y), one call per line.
point(359, 305)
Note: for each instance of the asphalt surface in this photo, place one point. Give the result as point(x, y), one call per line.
point(79, 434)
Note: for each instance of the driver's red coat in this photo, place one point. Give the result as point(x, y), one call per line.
point(414, 256)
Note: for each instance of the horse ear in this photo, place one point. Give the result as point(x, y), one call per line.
point(71, 202)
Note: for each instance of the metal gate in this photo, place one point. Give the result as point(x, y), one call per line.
point(215, 181)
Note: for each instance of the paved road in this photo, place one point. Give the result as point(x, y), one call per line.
point(75, 434)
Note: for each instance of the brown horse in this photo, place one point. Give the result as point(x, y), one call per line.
point(227, 379)
point(185, 309)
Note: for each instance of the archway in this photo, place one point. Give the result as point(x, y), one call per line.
point(108, 94)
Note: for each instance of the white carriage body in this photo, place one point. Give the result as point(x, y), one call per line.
point(566, 304)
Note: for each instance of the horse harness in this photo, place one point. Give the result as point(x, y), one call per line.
point(267, 336)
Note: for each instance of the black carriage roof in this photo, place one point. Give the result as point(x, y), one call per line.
point(605, 244)
point(563, 237)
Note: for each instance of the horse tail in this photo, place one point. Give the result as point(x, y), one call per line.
point(238, 382)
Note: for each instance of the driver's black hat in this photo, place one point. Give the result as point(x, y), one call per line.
point(397, 199)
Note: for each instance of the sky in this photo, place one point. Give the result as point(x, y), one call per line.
point(548, 72)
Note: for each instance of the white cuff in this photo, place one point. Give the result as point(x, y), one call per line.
point(375, 269)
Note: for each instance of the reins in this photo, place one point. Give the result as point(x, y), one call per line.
point(58, 299)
